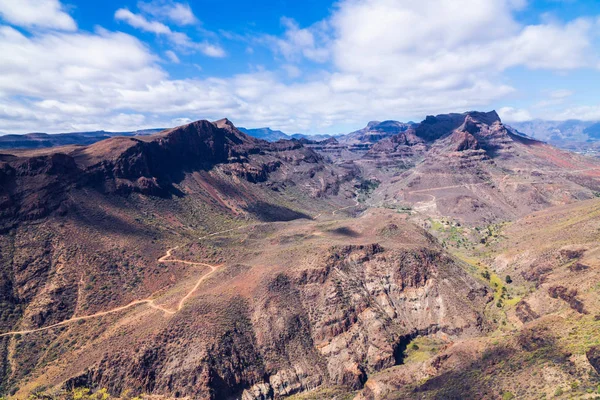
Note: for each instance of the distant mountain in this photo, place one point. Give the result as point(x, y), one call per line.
point(43, 140)
point(317, 137)
point(376, 131)
point(560, 131)
point(575, 135)
point(271, 135)
point(593, 131)
point(469, 166)
point(267, 134)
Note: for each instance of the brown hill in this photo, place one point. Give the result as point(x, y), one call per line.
point(545, 269)
point(200, 262)
point(472, 168)
point(37, 183)
point(286, 307)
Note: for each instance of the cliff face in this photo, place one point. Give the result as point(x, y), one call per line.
point(473, 168)
point(437, 127)
point(35, 184)
point(347, 316)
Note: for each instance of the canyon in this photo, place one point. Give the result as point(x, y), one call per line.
point(451, 258)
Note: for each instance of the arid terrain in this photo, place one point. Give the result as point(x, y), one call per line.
point(448, 259)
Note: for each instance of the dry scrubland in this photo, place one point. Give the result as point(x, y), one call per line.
point(449, 259)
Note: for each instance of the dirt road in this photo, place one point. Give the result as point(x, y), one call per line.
point(149, 301)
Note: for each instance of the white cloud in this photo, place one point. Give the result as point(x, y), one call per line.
point(375, 59)
point(179, 13)
point(405, 42)
point(291, 70)
point(211, 50)
point(140, 22)
point(172, 56)
point(561, 93)
point(297, 43)
point(37, 13)
point(177, 38)
point(510, 114)
point(586, 113)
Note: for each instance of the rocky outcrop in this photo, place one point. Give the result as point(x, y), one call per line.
point(437, 127)
point(593, 356)
point(334, 324)
point(524, 312)
point(359, 306)
point(462, 141)
point(569, 296)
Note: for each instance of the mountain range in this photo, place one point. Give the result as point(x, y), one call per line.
point(557, 131)
point(40, 140)
point(451, 258)
point(574, 135)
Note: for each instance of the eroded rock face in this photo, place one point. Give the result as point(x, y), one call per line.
point(464, 141)
point(524, 312)
point(334, 324)
point(593, 356)
point(569, 296)
point(356, 309)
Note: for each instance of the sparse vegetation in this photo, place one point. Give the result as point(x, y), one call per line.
point(80, 394)
point(507, 396)
point(433, 300)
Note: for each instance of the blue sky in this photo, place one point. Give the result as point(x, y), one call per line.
point(300, 66)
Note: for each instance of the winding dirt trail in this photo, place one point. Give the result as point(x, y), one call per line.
point(345, 208)
point(464, 185)
point(338, 209)
point(149, 301)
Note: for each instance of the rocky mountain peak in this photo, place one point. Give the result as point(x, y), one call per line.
point(439, 126)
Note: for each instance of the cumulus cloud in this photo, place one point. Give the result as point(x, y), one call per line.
point(511, 114)
point(586, 113)
point(140, 22)
point(448, 43)
point(292, 71)
point(177, 38)
point(36, 13)
point(298, 43)
point(179, 13)
point(373, 59)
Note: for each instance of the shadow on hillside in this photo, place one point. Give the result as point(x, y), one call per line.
point(345, 231)
point(267, 212)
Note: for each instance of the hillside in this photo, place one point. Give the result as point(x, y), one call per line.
point(473, 168)
point(544, 268)
point(201, 262)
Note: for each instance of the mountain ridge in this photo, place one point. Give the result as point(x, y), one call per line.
point(165, 263)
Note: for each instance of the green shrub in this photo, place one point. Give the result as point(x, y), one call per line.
point(507, 396)
point(574, 385)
